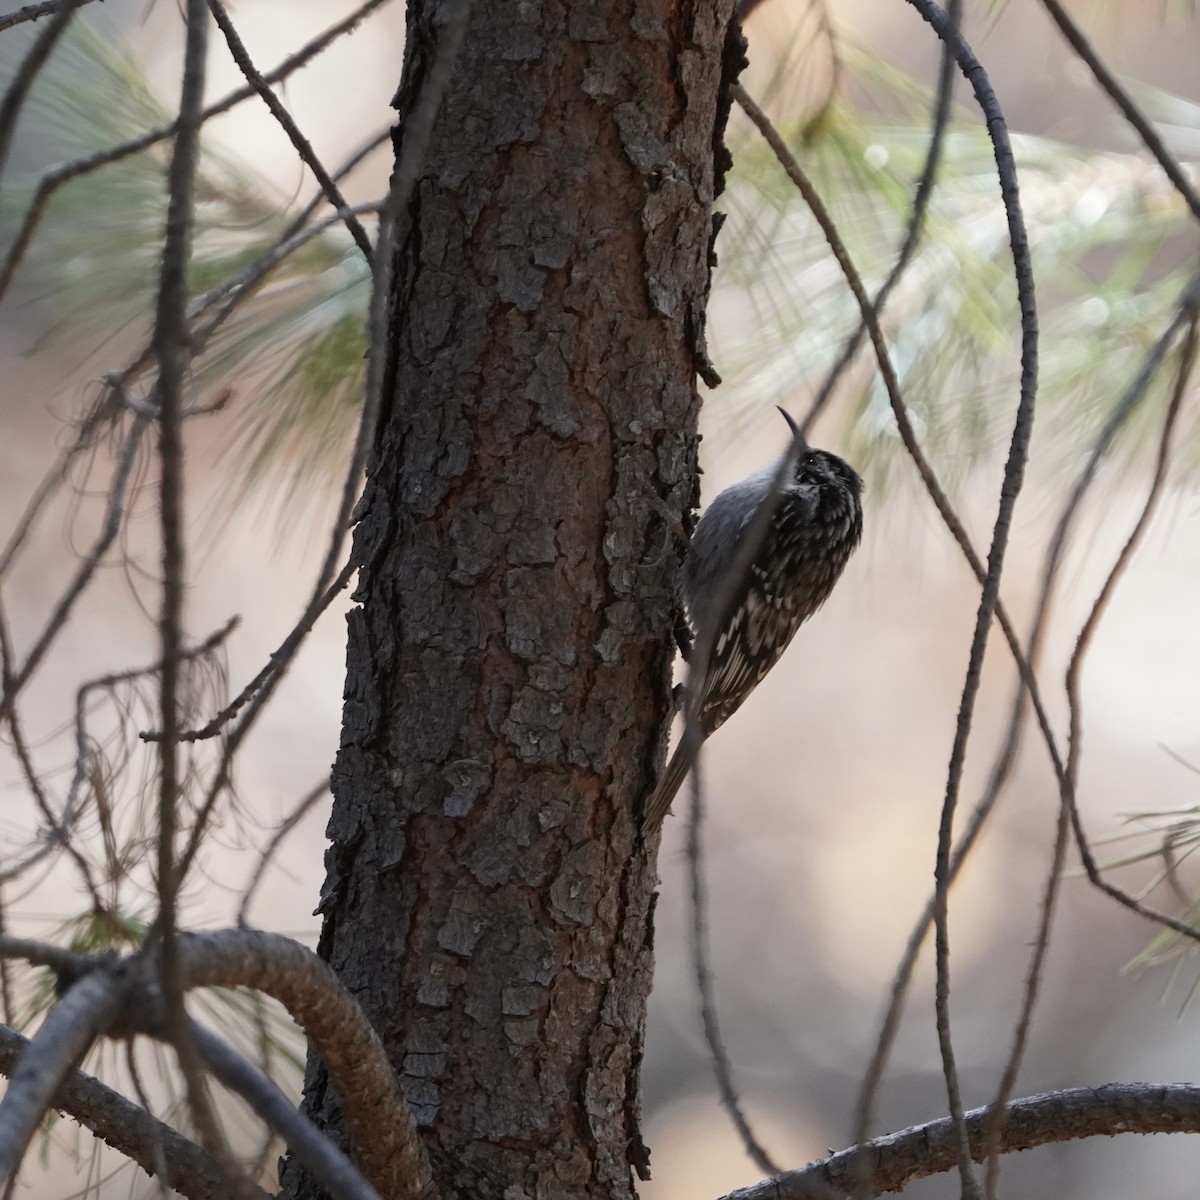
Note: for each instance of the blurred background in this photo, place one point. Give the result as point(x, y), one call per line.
point(824, 792)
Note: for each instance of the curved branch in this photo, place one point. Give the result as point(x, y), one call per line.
point(382, 1132)
point(947, 864)
point(312, 1147)
point(381, 1128)
point(894, 1161)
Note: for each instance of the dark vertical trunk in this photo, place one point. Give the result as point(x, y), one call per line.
point(488, 898)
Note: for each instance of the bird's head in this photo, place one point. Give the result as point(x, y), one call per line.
point(820, 468)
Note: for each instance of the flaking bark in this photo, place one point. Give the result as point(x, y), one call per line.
point(488, 899)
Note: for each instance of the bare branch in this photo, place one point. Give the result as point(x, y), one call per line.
point(1075, 668)
point(66, 964)
point(1074, 672)
point(990, 596)
point(172, 353)
point(157, 1149)
point(1024, 1022)
point(1187, 307)
point(1014, 471)
point(912, 233)
point(6, 993)
point(115, 398)
point(60, 825)
point(896, 1160)
point(99, 416)
point(306, 213)
point(58, 831)
point(381, 1129)
point(276, 662)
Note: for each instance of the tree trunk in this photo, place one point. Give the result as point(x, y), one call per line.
point(488, 897)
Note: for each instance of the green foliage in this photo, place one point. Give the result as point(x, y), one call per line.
point(292, 351)
point(1105, 230)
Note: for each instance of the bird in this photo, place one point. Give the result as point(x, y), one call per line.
point(814, 529)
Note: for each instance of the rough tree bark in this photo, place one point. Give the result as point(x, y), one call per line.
point(488, 898)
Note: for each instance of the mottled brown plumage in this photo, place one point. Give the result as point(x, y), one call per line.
point(813, 532)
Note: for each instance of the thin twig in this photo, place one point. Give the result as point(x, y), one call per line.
point(722, 1067)
point(1074, 673)
point(112, 525)
point(61, 825)
point(172, 353)
point(309, 210)
point(6, 996)
point(1187, 314)
point(912, 236)
point(1014, 471)
point(890, 379)
point(276, 662)
point(1074, 753)
point(99, 416)
point(912, 233)
point(908, 436)
point(989, 578)
point(236, 290)
point(1024, 1022)
point(1188, 304)
point(32, 63)
point(285, 827)
point(157, 1150)
point(130, 1130)
point(300, 143)
point(1121, 98)
point(57, 831)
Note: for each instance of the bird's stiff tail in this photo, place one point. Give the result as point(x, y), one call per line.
point(672, 779)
